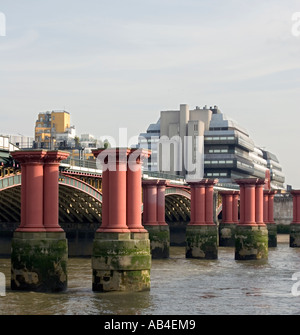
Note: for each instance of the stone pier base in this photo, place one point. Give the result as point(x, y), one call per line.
point(251, 242)
point(39, 261)
point(295, 235)
point(159, 236)
point(121, 262)
point(272, 235)
point(227, 234)
point(202, 241)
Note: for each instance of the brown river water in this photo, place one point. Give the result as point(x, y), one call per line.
point(179, 286)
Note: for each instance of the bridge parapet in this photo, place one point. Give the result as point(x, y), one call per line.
point(10, 181)
point(80, 185)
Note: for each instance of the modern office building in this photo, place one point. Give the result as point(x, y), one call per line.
point(149, 140)
point(205, 143)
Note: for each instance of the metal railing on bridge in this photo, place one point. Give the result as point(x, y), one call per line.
point(90, 166)
point(10, 181)
point(80, 165)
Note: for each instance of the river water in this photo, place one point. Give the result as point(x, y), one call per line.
point(179, 286)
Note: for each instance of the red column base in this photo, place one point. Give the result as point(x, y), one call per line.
point(30, 229)
point(113, 230)
point(200, 223)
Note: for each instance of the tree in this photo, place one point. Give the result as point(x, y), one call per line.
point(77, 142)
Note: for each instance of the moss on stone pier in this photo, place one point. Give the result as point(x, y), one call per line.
point(39, 262)
point(159, 236)
point(295, 235)
point(251, 242)
point(121, 263)
point(202, 241)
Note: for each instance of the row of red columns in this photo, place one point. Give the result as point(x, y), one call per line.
point(269, 206)
point(230, 206)
point(256, 204)
point(39, 191)
point(202, 202)
point(121, 189)
point(251, 201)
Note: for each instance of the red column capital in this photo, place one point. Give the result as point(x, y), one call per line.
point(31, 156)
point(55, 156)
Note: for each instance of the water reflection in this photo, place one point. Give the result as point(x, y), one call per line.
point(179, 286)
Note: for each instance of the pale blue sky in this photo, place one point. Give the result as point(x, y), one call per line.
point(118, 63)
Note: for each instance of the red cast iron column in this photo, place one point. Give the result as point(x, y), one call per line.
point(161, 208)
point(51, 189)
point(235, 206)
point(31, 189)
point(114, 183)
point(259, 202)
point(134, 188)
point(209, 201)
point(150, 202)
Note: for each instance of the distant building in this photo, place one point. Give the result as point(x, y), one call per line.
point(6, 162)
point(149, 140)
point(205, 143)
point(21, 141)
point(87, 143)
point(53, 130)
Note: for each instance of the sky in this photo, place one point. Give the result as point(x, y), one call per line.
point(117, 63)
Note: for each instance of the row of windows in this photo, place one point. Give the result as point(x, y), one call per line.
point(217, 151)
point(219, 162)
point(216, 174)
point(244, 164)
point(219, 138)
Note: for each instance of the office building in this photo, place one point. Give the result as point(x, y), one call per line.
point(205, 143)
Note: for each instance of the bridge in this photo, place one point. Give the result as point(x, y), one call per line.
point(80, 202)
point(57, 196)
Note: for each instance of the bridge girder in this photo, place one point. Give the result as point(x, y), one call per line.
point(177, 207)
point(84, 207)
